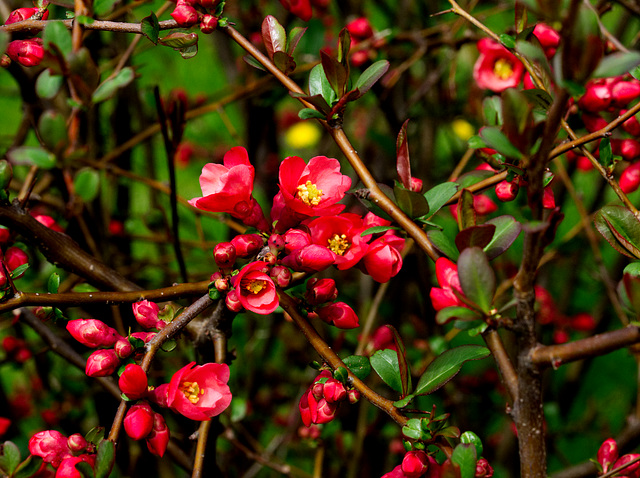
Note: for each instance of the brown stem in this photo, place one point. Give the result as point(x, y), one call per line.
point(508, 372)
point(122, 27)
point(556, 355)
point(329, 356)
point(203, 435)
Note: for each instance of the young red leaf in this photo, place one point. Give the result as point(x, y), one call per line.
point(273, 35)
point(403, 165)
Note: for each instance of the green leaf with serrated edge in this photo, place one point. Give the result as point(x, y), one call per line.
point(446, 366)
point(464, 455)
point(319, 85)
point(507, 40)
point(53, 283)
point(466, 212)
point(507, 231)
point(412, 203)
point(293, 38)
point(378, 230)
point(404, 402)
point(456, 312)
point(10, 458)
point(105, 459)
point(385, 363)
point(359, 365)
point(606, 153)
point(477, 279)
point(371, 75)
point(617, 63)
point(150, 28)
point(56, 33)
point(85, 469)
point(475, 236)
point(497, 140)
point(403, 365)
point(273, 35)
point(48, 84)
point(108, 87)
point(32, 155)
point(443, 244)
point(403, 164)
point(28, 467)
point(87, 184)
point(439, 195)
point(473, 439)
point(620, 228)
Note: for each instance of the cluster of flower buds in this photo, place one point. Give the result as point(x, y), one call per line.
point(190, 12)
point(16, 349)
point(141, 422)
point(608, 460)
point(320, 401)
point(548, 314)
point(30, 51)
point(320, 299)
point(419, 464)
point(360, 30)
point(61, 452)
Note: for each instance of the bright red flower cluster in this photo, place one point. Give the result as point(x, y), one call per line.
point(61, 452)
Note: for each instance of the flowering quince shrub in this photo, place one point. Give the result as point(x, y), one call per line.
point(238, 315)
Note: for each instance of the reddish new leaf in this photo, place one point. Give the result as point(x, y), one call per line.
point(273, 35)
point(403, 165)
point(405, 375)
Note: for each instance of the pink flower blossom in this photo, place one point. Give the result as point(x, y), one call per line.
point(199, 392)
point(247, 244)
point(146, 313)
point(67, 468)
point(92, 333)
point(28, 52)
point(50, 445)
point(133, 382)
point(341, 235)
point(102, 363)
point(496, 69)
point(340, 315)
point(383, 259)
point(255, 289)
point(311, 258)
point(300, 8)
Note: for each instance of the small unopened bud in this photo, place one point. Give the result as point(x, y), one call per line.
point(321, 291)
point(185, 15)
point(24, 14)
point(415, 463)
point(102, 363)
point(224, 254)
point(631, 470)
point(123, 348)
point(146, 313)
point(632, 125)
point(593, 122)
point(133, 382)
point(483, 205)
point(548, 198)
point(76, 443)
point(360, 28)
point(624, 92)
point(26, 52)
point(92, 333)
point(317, 390)
point(247, 244)
point(158, 439)
point(416, 184)
point(221, 284)
point(334, 391)
point(233, 302)
point(208, 24)
point(276, 242)
point(295, 239)
point(340, 314)
point(629, 149)
point(15, 257)
point(281, 275)
point(596, 98)
point(138, 422)
point(607, 454)
point(353, 395)
point(483, 469)
point(506, 191)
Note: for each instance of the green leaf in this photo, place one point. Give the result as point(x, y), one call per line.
point(477, 279)
point(498, 141)
point(169, 345)
point(620, 228)
point(539, 97)
point(385, 363)
point(371, 75)
point(284, 62)
point(150, 28)
point(404, 402)
point(466, 212)
point(476, 142)
point(507, 40)
point(32, 155)
point(507, 231)
point(48, 84)
point(251, 61)
point(273, 35)
point(606, 153)
point(359, 366)
point(95, 435)
point(85, 469)
point(412, 203)
point(446, 366)
point(617, 63)
point(464, 455)
point(105, 459)
point(492, 111)
point(473, 439)
point(378, 230)
point(102, 7)
point(28, 467)
point(475, 236)
point(403, 164)
point(443, 244)
point(439, 195)
point(635, 72)
point(319, 85)
point(86, 184)
point(56, 33)
point(53, 283)
point(456, 312)
point(403, 365)
point(108, 87)
point(310, 113)
point(5, 37)
point(52, 127)
point(10, 458)
point(336, 73)
point(294, 37)
point(184, 43)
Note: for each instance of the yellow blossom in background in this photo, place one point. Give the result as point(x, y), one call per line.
point(462, 129)
point(304, 134)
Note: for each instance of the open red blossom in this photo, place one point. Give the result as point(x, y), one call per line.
point(447, 275)
point(255, 289)
point(313, 189)
point(341, 235)
point(496, 68)
point(199, 392)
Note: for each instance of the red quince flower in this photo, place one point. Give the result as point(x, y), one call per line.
point(24, 14)
point(548, 37)
point(133, 382)
point(102, 363)
point(146, 313)
point(340, 314)
point(255, 289)
point(607, 454)
point(341, 235)
point(313, 189)
point(138, 422)
point(415, 463)
point(92, 333)
point(300, 8)
point(26, 52)
point(199, 392)
point(158, 439)
point(383, 259)
point(497, 68)
point(311, 258)
point(447, 275)
point(483, 469)
point(67, 468)
point(50, 445)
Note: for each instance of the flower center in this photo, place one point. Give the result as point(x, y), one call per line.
point(503, 69)
point(339, 244)
point(255, 286)
point(309, 194)
point(192, 391)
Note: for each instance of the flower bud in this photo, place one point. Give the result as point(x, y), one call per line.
point(144, 336)
point(630, 471)
point(325, 411)
point(224, 254)
point(24, 14)
point(102, 363)
point(596, 98)
point(630, 178)
point(632, 125)
point(483, 469)
point(334, 391)
point(506, 191)
point(629, 149)
point(26, 52)
point(549, 38)
point(416, 184)
point(275, 243)
point(247, 244)
point(320, 291)
point(233, 302)
point(311, 258)
point(353, 395)
point(76, 443)
point(281, 275)
point(305, 409)
point(92, 333)
point(340, 314)
point(484, 205)
point(138, 422)
point(185, 15)
point(607, 454)
point(158, 439)
point(317, 389)
point(14, 258)
point(50, 445)
point(208, 24)
point(123, 348)
point(548, 198)
point(146, 313)
point(623, 92)
point(295, 239)
point(360, 28)
point(593, 122)
point(133, 382)
point(415, 463)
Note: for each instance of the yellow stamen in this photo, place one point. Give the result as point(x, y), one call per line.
point(339, 244)
point(309, 194)
point(503, 69)
point(192, 391)
point(255, 286)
